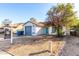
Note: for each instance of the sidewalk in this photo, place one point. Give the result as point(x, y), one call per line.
point(3, 53)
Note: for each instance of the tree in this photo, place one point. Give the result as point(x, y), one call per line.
point(6, 22)
point(61, 15)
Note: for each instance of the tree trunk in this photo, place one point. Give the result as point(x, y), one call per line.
point(58, 31)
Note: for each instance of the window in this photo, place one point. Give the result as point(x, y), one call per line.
point(53, 29)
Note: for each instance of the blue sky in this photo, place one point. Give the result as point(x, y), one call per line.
point(23, 12)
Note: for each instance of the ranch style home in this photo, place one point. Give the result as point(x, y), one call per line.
point(32, 28)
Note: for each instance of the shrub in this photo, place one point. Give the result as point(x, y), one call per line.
point(60, 32)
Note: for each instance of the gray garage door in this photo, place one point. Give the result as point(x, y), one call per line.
point(28, 30)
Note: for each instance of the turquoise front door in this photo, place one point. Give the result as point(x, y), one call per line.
point(45, 31)
point(28, 30)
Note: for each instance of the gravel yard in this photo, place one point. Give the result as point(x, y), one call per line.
point(26, 45)
point(25, 50)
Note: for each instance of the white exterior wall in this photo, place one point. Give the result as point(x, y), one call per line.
point(24, 29)
point(64, 30)
point(35, 30)
point(39, 30)
point(50, 31)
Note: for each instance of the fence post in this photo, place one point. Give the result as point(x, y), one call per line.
point(11, 36)
point(50, 47)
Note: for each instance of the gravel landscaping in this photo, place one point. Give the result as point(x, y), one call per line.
point(24, 46)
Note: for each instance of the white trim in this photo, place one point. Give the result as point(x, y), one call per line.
point(24, 30)
point(30, 24)
point(11, 37)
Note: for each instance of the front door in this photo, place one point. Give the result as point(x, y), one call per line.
point(46, 31)
point(28, 30)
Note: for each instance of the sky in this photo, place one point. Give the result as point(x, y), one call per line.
point(76, 8)
point(23, 12)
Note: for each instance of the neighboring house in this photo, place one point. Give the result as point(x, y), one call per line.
point(33, 27)
point(16, 27)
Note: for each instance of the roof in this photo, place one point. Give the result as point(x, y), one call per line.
point(40, 24)
point(16, 25)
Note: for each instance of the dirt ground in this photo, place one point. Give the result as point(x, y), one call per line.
point(70, 48)
point(26, 45)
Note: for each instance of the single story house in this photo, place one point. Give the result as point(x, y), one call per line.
point(16, 27)
point(33, 27)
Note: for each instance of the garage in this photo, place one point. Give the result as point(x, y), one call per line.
point(33, 27)
point(28, 30)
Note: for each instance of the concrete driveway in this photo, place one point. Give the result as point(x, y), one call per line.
point(71, 47)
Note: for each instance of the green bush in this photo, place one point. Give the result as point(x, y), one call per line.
point(60, 32)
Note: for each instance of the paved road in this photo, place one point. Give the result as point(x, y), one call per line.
point(71, 47)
